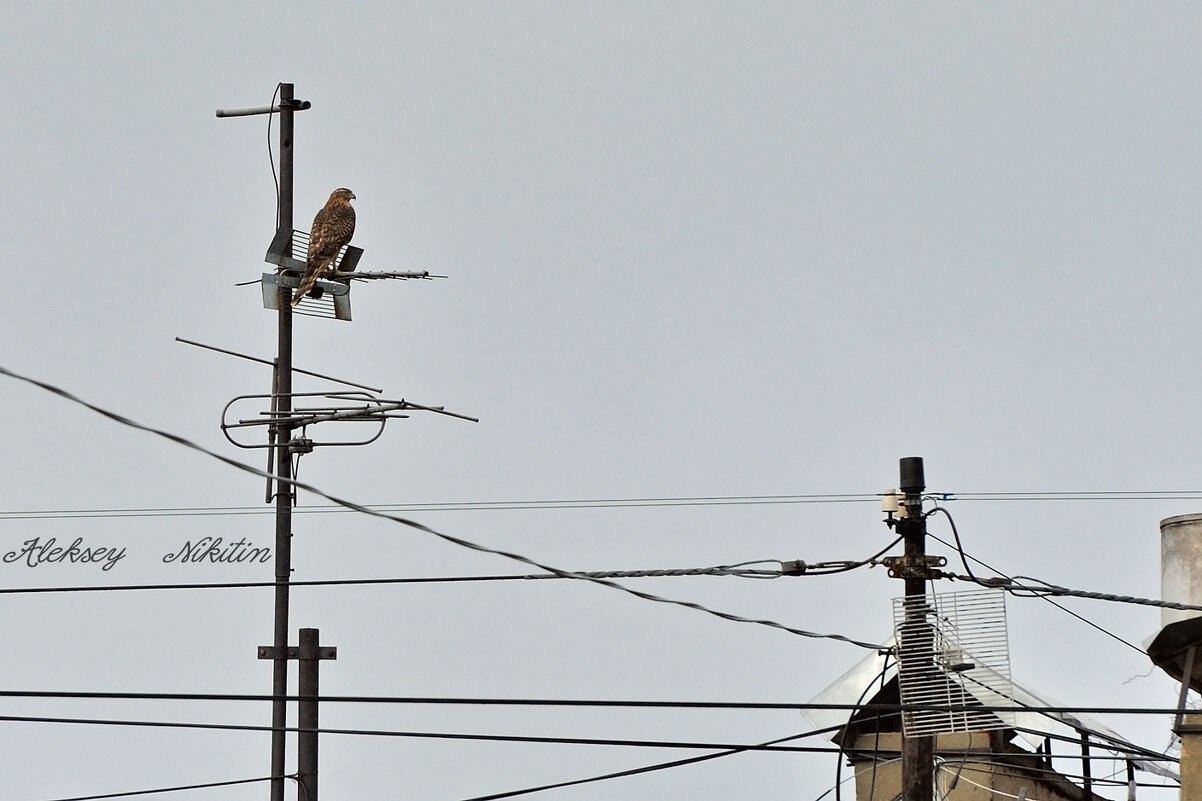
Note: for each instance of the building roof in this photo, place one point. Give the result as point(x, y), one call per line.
point(854, 687)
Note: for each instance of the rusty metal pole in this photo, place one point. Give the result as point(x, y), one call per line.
point(1189, 728)
point(282, 393)
point(918, 753)
point(309, 656)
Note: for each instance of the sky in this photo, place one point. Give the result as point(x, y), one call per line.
point(693, 250)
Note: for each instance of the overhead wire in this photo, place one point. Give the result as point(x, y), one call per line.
point(1104, 740)
point(271, 155)
point(179, 440)
point(590, 503)
point(986, 582)
point(965, 759)
point(449, 506)
point(427, 735)
point(876, 744)
point(1043, 589)
point(880, 709)
point(1076, 495)
point(955, 534)
point(744, 570)
point(849, 778)
point(736, 571)
point(997, 792)
point(1108, 741)
point(176, 789)
point(631, 771)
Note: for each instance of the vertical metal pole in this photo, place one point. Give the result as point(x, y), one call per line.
point(306, 740)
point(1187, 674)
point(283, 464)
point(1188, 729)
point(1086, 768)
point(918, 753)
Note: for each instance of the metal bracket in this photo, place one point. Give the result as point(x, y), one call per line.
point(297, 652)
point(905, 567)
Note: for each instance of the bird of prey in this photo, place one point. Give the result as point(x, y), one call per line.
point(333, 228)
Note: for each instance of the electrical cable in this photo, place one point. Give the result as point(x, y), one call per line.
point(584, 503)
point(1061, 607)
point(630, 772)
point(422, 735)
point(1102, 737)
point(179, 440)
point(881, 709)
point(1131, 750)
point(842, 567)
point(1069, 495)
point(720, 570)
point(417, 700)
point(955, 534)
point(876, 740)
point(852, 714)
point(207, 785)
point(967, 758)
point(998, 792)
point(849, 778)
point(588, 503)
point(740, 570)
point(447, 506)
point(1044, 589)
point(271, 155)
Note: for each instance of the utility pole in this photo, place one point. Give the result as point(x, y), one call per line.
point(310, 654)
point(918, 753)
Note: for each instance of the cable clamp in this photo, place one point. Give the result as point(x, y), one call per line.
point(907, 567)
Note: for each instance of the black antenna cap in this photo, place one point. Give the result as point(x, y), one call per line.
point(912, 480)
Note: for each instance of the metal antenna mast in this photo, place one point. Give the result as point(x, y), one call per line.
point(281, 436)
point(331, 299)
point(282, 433)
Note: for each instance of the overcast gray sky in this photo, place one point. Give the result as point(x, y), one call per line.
point(694, 250)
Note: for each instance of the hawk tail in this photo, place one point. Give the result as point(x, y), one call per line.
point(306, 283)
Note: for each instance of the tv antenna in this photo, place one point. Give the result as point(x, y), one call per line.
point(361, 406)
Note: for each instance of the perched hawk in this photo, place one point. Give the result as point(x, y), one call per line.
point(332, 228)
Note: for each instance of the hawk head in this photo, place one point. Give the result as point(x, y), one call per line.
point(343, 194)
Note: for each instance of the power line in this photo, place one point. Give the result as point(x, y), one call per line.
point(131, 793)
point(976, 758)
point(630, 772)
point(179, 440)
point(1061, 607)
point(425, 735)
point(1075, 495)
point(1042, 589)
point(849, 778)
point(449, 506)
point(738, 571)
point(878, 709)
point(599, 503)
point(794, 567)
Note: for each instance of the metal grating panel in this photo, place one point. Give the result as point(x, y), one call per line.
point(953, 650)
point(334, 301)
point(289, 251)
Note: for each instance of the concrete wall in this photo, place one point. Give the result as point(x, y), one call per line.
point(968, 770)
